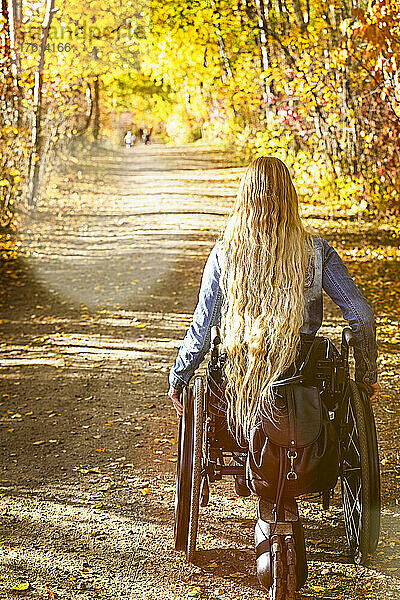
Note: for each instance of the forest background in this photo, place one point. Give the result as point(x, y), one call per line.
point(102, 248)
point(315, 83)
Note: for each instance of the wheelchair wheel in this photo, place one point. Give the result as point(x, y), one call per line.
point(360, 477)
point(184, 472)
point(198, 412)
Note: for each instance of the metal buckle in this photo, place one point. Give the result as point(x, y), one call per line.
point(292, 455)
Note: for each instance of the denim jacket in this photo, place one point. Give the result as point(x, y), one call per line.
point(327, 272)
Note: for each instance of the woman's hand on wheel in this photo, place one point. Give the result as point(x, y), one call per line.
point(376, 388)
point(373, 390)
point(175, 396)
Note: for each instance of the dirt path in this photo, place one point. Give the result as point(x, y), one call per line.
point(96, 297)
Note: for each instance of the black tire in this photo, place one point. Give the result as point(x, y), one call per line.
point(301, 556)
point(359, 473)
point(198, 412)
point(184, 472)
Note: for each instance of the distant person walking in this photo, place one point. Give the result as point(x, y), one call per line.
point(129, 139)
point(148, 136)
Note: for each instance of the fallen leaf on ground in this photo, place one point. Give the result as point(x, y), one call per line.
point(21, 587)
point(105, 488)
point(196, 591)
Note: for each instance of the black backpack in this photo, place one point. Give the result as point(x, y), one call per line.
point(296, 452)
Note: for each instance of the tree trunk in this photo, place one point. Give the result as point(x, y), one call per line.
point(14, 60)
point(7, 64)
point(225, 62)
point(37, 137)
point(15, 11)
point(298, 13)
point(89, 112)
point(96, 107)
point(226, 65)
point(264, 59)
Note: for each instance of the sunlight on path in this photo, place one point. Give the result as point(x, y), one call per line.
point(94, 312)
point(119, 227)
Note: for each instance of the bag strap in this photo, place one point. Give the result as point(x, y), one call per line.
point(280, 486)
point(307, 357)
point(294, 379)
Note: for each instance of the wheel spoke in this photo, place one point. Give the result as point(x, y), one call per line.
point(353, 506)
point(353, 529)
point(355, 446)
point(354, 432)
point(355, 497)
point(351, 469)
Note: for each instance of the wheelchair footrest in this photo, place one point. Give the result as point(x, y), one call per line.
point(280, 551)
point(290, 512)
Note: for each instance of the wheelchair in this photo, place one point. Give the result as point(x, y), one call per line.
point(207, 451)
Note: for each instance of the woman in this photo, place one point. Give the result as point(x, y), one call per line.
point(262, 284)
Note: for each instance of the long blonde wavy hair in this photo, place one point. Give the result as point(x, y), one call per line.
point(265, 249)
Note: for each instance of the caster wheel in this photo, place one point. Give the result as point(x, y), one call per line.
point(291, 568)
point(288, 553)
point(278, 587)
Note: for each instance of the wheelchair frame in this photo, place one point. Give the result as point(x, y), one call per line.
point(205, 445)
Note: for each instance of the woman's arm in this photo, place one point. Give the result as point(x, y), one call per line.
point(340, 286)
point(197, 340)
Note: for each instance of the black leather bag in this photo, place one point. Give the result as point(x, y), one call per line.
point(296, 453)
